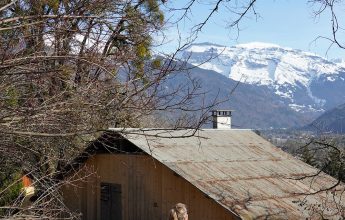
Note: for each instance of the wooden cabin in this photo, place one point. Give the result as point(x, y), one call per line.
point(137, 174)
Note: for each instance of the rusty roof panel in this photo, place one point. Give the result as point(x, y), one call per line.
point(243, 172)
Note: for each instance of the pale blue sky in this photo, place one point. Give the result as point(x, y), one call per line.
point(289, 23)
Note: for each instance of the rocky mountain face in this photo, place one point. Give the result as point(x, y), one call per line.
point(302, 82)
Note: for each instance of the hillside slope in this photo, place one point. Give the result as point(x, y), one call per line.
point(331, 121)
point(254, 106)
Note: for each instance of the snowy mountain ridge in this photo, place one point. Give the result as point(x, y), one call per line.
point(261, 63)
point(287, 72)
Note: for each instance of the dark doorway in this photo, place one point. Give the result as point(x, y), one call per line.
point(111, 207)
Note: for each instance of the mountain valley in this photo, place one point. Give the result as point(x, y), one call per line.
point(276, 87)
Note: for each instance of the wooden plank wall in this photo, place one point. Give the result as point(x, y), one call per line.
point(149, 190)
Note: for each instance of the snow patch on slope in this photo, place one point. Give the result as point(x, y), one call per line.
point(256, 45)
point(209, 66)
point(287, 71)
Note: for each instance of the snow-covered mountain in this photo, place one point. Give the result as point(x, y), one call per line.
point(304, 81)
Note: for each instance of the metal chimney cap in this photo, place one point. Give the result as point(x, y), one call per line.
point(226, 113)
point(221, 119)
point(217, 110)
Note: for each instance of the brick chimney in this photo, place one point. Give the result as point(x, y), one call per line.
point(221, 119)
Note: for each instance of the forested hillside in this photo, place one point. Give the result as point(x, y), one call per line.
point(332, 121)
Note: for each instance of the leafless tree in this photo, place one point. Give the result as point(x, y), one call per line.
point(334, 9)
point(70, 70)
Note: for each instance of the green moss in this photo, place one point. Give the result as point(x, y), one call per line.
point(54, 4)
point(142, 51)
point(10, 187)
point(159, 16)
point(12, 97)
point(156, 63)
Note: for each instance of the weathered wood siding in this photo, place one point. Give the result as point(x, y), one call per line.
point(149, 190)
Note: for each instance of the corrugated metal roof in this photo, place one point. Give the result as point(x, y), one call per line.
point(243, 172)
